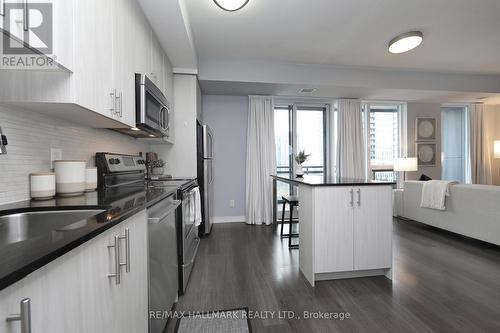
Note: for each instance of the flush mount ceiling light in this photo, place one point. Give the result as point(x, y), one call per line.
point(406, 42)
point(307, 90)
point(231, 5)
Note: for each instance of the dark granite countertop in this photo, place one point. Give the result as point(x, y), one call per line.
point(22, 255)
point(320, 180)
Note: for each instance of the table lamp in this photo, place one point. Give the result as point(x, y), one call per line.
point(405, 164)
point(496, 149)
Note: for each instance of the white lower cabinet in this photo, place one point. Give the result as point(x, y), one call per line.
point(75, 294)
point(353, 228)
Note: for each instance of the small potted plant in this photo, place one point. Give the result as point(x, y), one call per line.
point(157, 167)
point(301, 158)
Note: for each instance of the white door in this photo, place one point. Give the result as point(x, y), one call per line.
point(124, 72)
point(93, 75)
point(334, 229)
point(54, 296)
point(156, 73)
point(373, 227)
point(135, 282)
point(63, 36)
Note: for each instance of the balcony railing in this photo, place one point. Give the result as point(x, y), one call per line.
point(384, 175)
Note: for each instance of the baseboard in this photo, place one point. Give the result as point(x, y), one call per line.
point(229, 219)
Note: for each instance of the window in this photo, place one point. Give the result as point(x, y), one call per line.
point(383, 139)
point(299, 127)
point(311, 138)
point(453, 143)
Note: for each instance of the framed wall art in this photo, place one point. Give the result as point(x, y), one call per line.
point(426, 129)
point(426, 154)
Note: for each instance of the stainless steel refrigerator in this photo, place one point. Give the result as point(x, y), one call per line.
point(205, 142)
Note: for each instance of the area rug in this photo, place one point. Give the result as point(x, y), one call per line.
point(224, 321)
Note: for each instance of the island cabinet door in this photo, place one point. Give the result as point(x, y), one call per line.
point(334, 229)
point(372, 227)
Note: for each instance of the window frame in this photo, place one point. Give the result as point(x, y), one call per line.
point(293, 108)
point(401, 134)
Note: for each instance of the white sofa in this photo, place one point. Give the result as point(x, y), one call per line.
point(471, 210)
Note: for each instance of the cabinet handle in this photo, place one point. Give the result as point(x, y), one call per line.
point(359, 197)
point(2, 7)
point(26, 15)
point(127, 250)
point(120, 104)
point(116, 246)
point(24, 317)
point(112, 94)
point(352, 198)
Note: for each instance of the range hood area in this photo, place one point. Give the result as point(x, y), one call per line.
point(152, 111)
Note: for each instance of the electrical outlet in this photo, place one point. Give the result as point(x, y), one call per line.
point(55, 155)
point(231, 203)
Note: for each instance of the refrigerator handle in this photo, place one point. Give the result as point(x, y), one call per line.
point(211, 143)
point(211, 172)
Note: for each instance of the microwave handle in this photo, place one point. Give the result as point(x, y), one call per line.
point(168, 118)
point(160, 117)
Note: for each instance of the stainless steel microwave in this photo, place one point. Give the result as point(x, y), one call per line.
point(152, 108)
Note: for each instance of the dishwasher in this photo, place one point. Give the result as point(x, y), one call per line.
point(163, 270)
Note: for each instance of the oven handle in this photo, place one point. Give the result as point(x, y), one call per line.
point(169, 209)
point(191, 261)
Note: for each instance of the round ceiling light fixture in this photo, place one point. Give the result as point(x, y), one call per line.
point(231, 5)
point(406, 42)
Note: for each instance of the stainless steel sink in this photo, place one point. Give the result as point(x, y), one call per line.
point(19, 227)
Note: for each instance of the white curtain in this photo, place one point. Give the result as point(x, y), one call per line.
point(261, 160)
point(351, 158)
point(479, 146)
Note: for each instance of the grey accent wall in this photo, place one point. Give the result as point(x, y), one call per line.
point(415, 110)
point(227, 116)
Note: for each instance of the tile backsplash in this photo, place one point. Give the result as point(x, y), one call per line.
point(31, 135)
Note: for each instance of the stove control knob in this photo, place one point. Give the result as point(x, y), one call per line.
point(114, 161)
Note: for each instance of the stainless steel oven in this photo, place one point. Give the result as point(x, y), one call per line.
point(188, 239)
point(189, 234)
point(152, 108)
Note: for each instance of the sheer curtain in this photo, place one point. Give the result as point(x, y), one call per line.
point(261, 160)
point(351, 158)
point(479, 147)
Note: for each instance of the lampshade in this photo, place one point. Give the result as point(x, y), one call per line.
point(496, 149)
point(405, 164)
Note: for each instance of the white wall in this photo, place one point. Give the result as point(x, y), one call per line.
point(415, 110)
point(32, 134)
point(180, 157)
point(227, 116)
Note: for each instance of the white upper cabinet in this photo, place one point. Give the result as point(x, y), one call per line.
point(45, 27)
point(156, 73)
point(123, 60)
point(102, 45)
point(93, 77)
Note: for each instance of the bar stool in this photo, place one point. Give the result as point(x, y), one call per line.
point(293, 201)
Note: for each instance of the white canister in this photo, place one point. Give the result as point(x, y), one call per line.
point(70, 177)
point(91, 179)
point(42, 185)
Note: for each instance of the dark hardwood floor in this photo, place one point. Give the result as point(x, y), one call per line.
point(442, 283)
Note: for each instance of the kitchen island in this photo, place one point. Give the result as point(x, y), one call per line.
point(345, 227)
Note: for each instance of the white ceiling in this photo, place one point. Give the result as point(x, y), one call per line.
point(459, 35)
